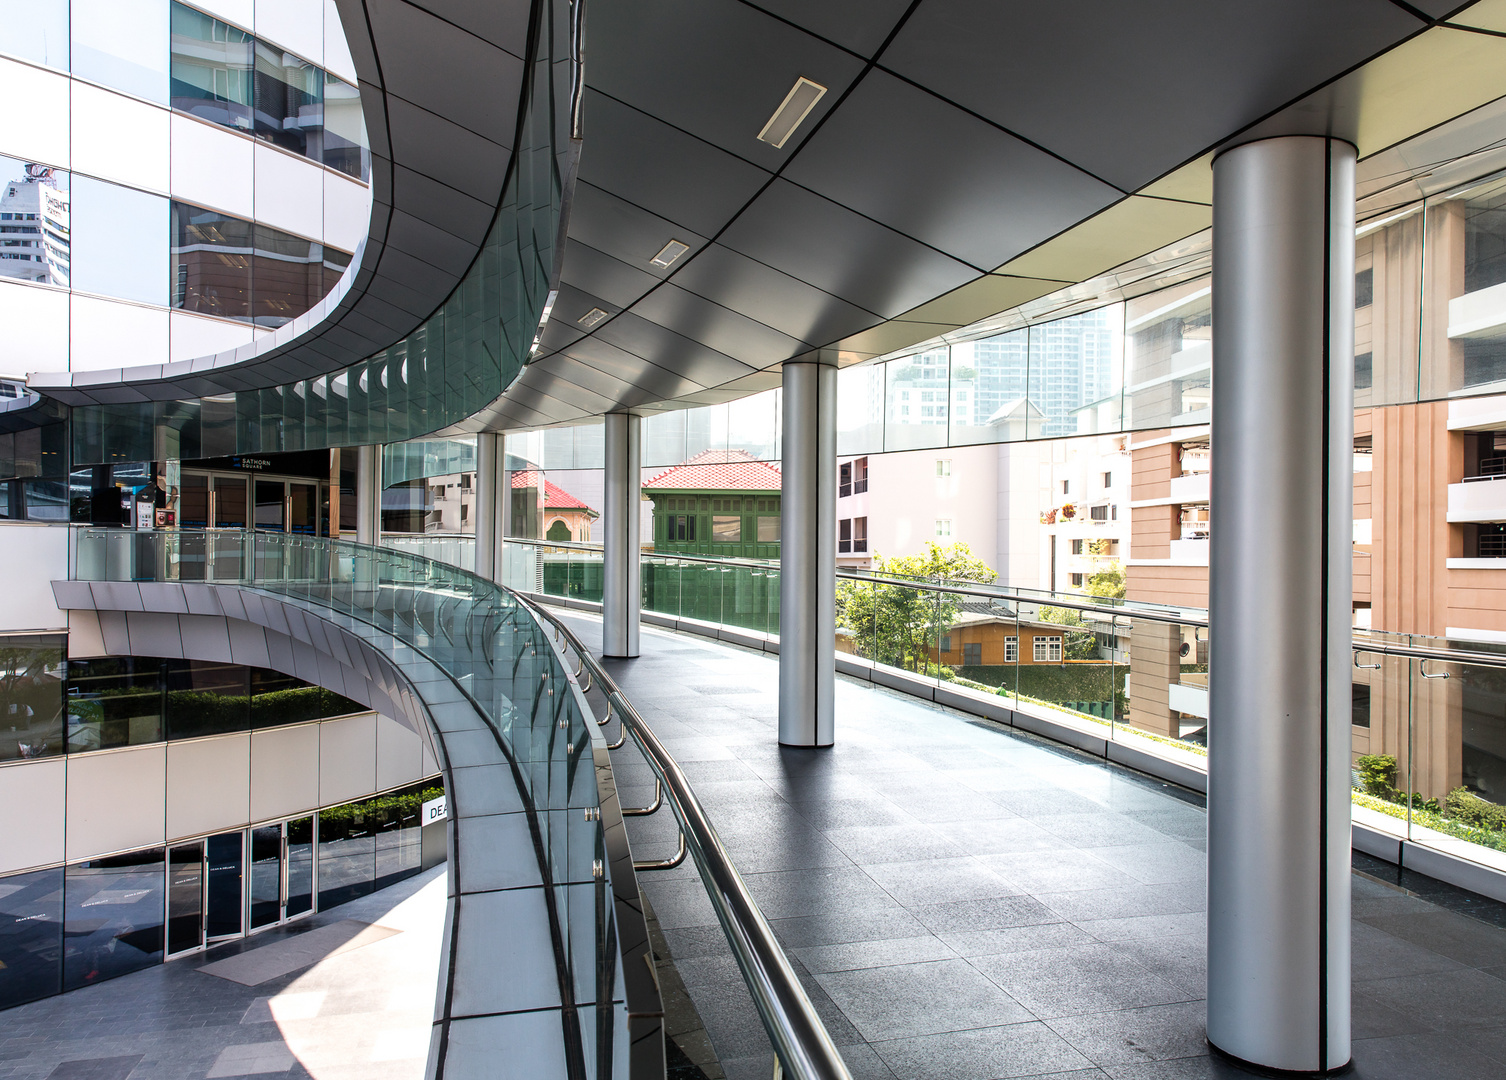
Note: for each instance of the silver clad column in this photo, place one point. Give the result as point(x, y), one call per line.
point(621, 515)
point(488, 461)
point(808, 556)
point(1280, 603)
point(368, 495)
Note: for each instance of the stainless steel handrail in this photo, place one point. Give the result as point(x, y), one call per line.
point(801, 1042)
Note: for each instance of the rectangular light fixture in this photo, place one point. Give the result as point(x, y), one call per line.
point(797, 105)
point(592, 317)
point(669, 253)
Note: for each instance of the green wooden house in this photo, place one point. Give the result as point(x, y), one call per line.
point(720, 502)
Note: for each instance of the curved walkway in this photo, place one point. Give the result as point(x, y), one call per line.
point(966, 902)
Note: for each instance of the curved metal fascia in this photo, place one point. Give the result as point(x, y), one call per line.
point(441, 151)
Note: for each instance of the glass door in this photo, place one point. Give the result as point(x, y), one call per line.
point(229, 502)
point(271, 505)
point(193, 501)
point(266, 875)
point(300, 877)
point(223, 893)
point(185, 897)
point(303, 508)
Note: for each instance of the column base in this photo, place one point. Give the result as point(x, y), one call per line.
point(805, 746)
point(1265, 1070)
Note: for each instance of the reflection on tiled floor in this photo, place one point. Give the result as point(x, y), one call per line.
point(965, 903)
point(345, 995)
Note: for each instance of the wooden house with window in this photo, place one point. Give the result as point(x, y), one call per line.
point(720, 502)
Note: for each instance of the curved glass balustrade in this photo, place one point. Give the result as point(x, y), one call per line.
point(505, 669)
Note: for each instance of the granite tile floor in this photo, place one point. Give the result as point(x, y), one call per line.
point(358, 1005)
point(964, 902)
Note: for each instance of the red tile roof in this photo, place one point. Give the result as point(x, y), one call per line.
point(726, 470)
point(555, 497)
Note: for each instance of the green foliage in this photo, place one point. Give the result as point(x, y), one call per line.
point(377, 810)
point(1377, 773)
point(1107, 583)
point(897, 625)
point(1077, 644)
point(1467, 808)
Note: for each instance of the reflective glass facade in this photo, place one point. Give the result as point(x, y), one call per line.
point(224, 74)
point(66, 927)
point(51, 705)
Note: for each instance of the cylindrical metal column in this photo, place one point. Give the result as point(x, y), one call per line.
point(808, 556)
point(1280, 603)
point(488, 462)
point(368, 494)
point(621, 591)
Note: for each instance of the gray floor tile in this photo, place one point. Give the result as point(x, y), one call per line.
point(874, 954)
point(920, 999)
point(1056, 871)
point(1025, 1049)
point(839, 927)
point(1014, 939)
point(1406, 1057)
point(963, 916)
point(1156, 1033)
point(1078, 980)
point(941, 880)
point(1447, 1001)
point(870, 845)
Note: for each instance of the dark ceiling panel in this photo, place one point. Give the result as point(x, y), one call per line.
point(634, 369)
point(717, 327)
point(624, 231)
point(437, 248)
point(457, 158)
point(669, 350)
point(859, 25)
point(598, 273)
point(760, 292)
point(485, 100)
point(1128, 90)
point(504, 23)
point(720, 94)
point(667, 172)
point(832, 248)
point(447, 208)
point(929, 170)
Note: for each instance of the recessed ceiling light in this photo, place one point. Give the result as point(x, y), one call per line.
point(592, 317)
point(797, 105)
point(669, 253)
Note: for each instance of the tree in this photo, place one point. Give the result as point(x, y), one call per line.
point(1107, 583)
point(897, 625)
point(1081, 644)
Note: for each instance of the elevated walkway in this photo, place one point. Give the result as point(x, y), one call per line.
point(963, 900)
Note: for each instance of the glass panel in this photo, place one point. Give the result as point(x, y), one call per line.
point(989, 381)
point(1169, 357)
point(193, 501)
point(289, 100)
point(211, 262)
point(1464, 292)
point(269, 505)
point(1072, 373)
point(123, 44)
point(205, 697)
point(266, 875)
point(118, 237)
point(287, 276)
point(226, 853)
point(113, 917)
point(46, 500)
point(1386, 330)
point(35, 222)
point(31, 936)
point(915, 401)
point(37, 31)
point(114, 701)
point(185, 897)
point(300, 866)
point(229, 503)
point(345, 142)
point(211, 68)
point(31, 696)
point(347, 854)
point(305, 506)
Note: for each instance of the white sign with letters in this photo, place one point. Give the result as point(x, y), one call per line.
point(434, 810)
